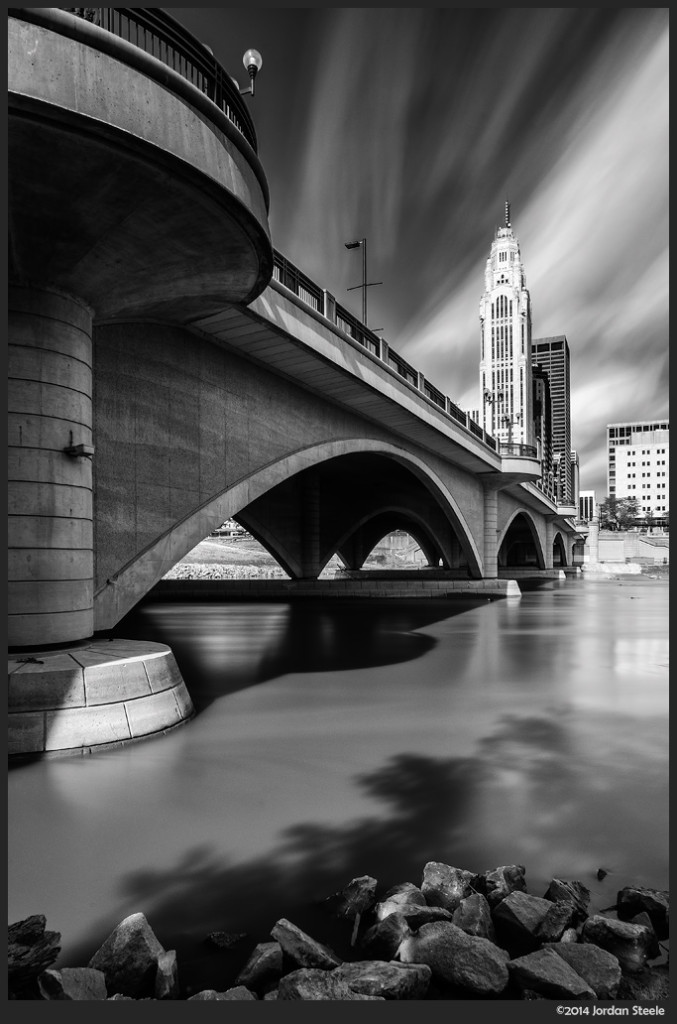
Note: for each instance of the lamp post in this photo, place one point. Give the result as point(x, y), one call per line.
point(253, 62)
point(355, 245)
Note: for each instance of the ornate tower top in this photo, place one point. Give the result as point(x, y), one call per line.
point(507, 214)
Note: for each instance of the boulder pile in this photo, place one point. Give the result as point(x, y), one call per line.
point(456, 935)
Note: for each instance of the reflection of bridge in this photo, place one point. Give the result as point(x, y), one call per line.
point(168, 370)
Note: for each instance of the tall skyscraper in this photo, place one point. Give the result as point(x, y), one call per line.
point(552, 354)
point(505, 360)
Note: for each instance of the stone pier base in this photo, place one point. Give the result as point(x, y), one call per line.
point(91, 695)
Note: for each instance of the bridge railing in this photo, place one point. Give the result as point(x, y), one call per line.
point(323, 302)
point(523, 451)
point(160, 35)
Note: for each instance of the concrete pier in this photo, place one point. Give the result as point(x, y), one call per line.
point(93, 695)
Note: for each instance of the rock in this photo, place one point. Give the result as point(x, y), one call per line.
point(301, 948)
point(549, 975)
point(473, 916)
point(632, 900)
point(271, 995)
point(263, 968)
point(629, 943)
point(418, 916)
point(398, 898)
point(599, 968)
point(117, 997)
point(383, 939)
point(167, 977)
point(74, 983)
point(500, 882)
point(445, 886)
point(239, 992)
point(226, 940)
point(129, 958)
point(207, 994)
point(569, 935)
point(469, 962)
point(388, 979)
point(560, 891)
point(358, 896)
point(650, 983)
point(517, 919)
point(315, 984)
point(557, 920)
point(653, 949)
point(30, 950)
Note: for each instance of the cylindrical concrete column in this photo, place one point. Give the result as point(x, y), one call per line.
point(490, 533)
point(50, 548)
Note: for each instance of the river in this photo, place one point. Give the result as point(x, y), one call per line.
point(340, 739)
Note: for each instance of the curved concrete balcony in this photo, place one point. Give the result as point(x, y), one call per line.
point(519, 463)
point(130, 187)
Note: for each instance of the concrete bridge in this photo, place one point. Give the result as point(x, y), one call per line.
point(168, 370)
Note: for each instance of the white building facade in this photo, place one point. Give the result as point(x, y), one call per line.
point(505, 358)
point(639, 464)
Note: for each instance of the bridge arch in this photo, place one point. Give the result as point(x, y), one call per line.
point(520, 542)
point(132, 581)
point(559, 551)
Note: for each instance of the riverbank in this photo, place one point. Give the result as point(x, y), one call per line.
point(455, 935)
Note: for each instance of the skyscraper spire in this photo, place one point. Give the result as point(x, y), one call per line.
point(507, 213)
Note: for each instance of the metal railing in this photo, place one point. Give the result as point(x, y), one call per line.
point(322, 302)
point(520, 451)
point(160, 35)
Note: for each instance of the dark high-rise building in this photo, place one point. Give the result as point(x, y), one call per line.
point(553, 356)
point(543, 427)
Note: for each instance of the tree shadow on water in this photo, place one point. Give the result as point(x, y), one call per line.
point(426, 802)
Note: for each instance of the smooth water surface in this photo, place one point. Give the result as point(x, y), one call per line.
point(337, 739)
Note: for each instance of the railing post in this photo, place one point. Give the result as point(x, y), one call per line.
point(384, 350)
point(329, 306)
point(420, 382)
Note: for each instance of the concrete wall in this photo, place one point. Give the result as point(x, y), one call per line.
point(188, 434)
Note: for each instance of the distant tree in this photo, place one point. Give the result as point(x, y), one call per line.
point(618, 513)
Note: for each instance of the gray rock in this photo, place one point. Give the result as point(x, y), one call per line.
point(445, 886)
point(358, 896)
point(473, 916)
point(271, 995)
point(30, 951)
point(500, 882)
point(239, 992)
point(74, 983)
point(167, 977)
point(560, 891)
point(399, 898)
point(383, 939)
point(263, 968)
point(598, 967)
point(569, 935)
point(315, 984)
point(302, 948)
point(466, 961)
point(629, 943)
point(549, 975)
point(632, 900)
point(129, 958)
point(557, 920)
point(653, 949)
point(650, 984)
point(388, 979)
point(518, 917)
point(418, 916)
point(207, 994)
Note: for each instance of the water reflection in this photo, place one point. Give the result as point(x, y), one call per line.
point(358, 738)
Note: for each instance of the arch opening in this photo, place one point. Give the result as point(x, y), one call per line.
point(520, 547)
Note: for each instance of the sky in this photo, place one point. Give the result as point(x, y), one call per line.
point(410, 127)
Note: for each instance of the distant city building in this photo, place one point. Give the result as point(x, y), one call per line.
point(552, 355)
point(505, 356)
point(587, 507)
point(639, 464)
point(542, 408)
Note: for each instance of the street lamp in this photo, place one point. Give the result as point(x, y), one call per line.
point(253, 62)
point(355, 245)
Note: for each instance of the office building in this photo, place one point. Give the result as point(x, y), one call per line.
point(639, 464)
point(552, 355)
point(505, 357)
point(587, 507)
